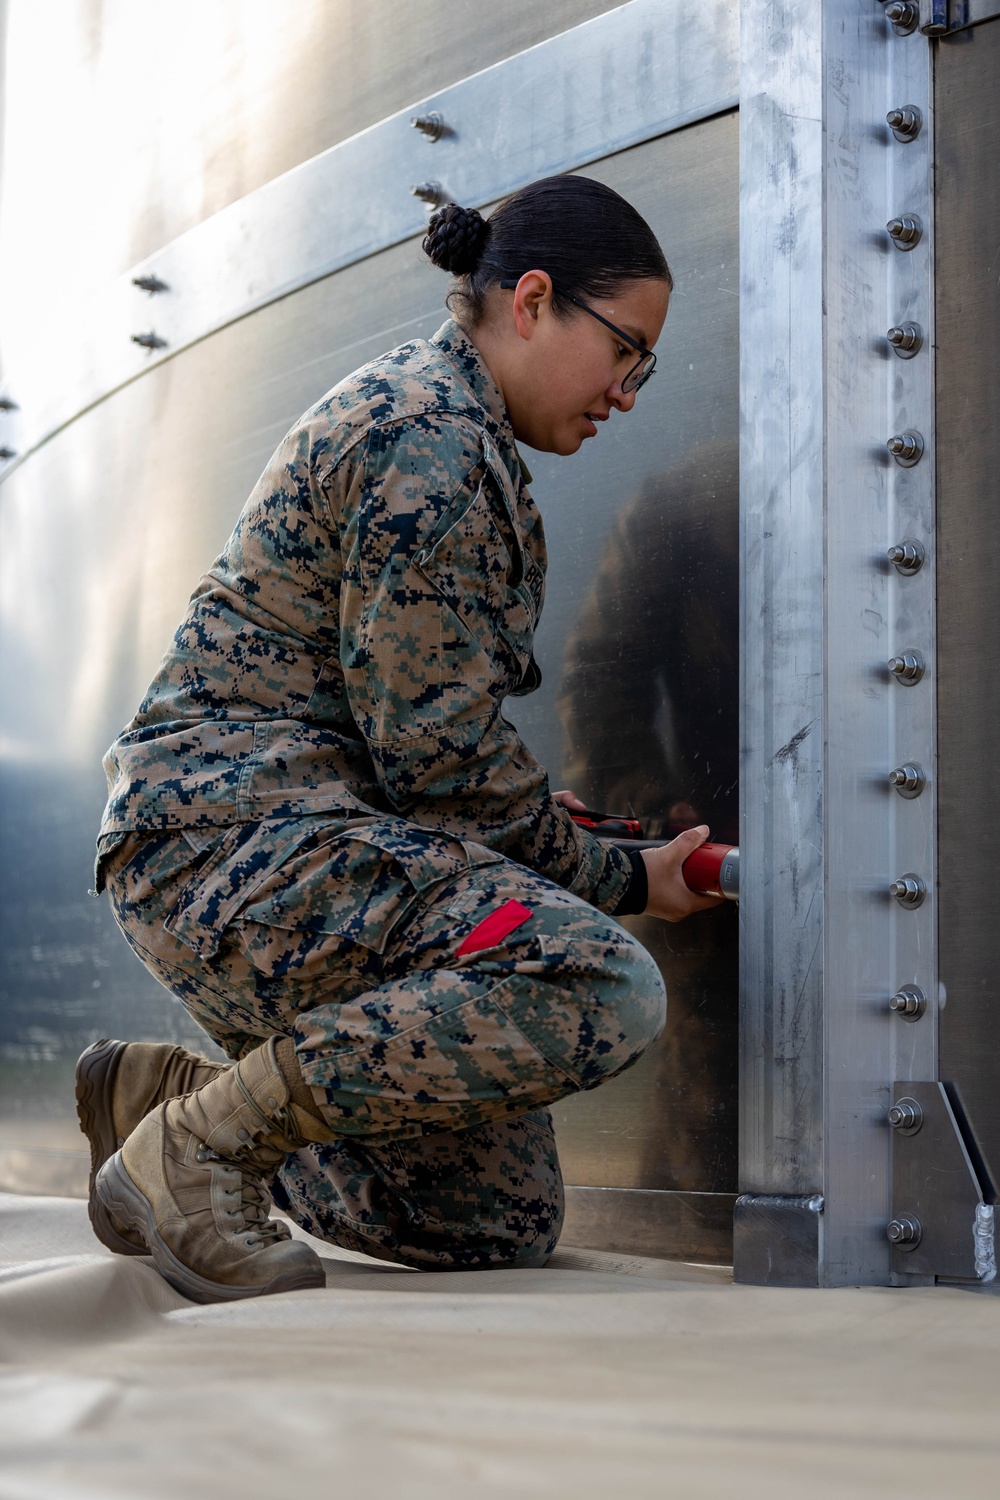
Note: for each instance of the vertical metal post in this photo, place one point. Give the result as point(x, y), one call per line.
point(824, 836)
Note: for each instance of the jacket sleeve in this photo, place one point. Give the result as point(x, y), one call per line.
point(437, 618)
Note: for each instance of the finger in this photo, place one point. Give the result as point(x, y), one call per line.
point(569, 799)
point(692, 838)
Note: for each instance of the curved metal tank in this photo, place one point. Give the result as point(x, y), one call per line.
point(123, 493)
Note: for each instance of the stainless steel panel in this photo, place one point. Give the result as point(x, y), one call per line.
point(968, 457)
point(623, 77)
point(676, 1226)
point(823, 835)
point(104, 530)
point(639, 651)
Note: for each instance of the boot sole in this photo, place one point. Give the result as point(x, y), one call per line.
point(95, 1083)
point(131, 1208)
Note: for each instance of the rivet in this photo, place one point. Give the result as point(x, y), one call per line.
point(7, 403)
point(151, 284)
point(244, 1135)
point(6, 453)
point(149, 340)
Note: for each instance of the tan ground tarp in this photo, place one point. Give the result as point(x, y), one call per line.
point(597, 1377)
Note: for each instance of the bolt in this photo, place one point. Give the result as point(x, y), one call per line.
point(907, 556)
point(904, 231)
point(7, 404)
point(903, 16)
point(909, 781)
point(432, 125)
point(906, 1114)
point(6, 453)
point(904, 1231)
point(905, 123)
point(909, 1003)
point(151, 284)
point(430, 192)
point(149, 340)
point(908, 890)
point(906, 339)
point(908, 668)
point(906, 448)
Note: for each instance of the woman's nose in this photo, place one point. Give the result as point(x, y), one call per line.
point(623, 400)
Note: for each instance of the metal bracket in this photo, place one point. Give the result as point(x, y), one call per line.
point(942, 1212)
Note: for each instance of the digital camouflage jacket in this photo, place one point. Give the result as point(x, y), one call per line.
point(351, 649)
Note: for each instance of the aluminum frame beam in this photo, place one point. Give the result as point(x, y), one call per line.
point(823, 835)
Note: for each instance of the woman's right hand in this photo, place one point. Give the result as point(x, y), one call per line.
point(669, 897)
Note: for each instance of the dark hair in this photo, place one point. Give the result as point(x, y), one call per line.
point(585, 235)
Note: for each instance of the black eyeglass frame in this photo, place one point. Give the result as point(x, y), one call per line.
point(644, 353)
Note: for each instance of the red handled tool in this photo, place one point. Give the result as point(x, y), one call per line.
point(712, 870)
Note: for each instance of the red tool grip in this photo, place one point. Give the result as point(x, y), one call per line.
point(713, 870)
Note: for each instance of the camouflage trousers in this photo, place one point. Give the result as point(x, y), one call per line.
point(439, 996)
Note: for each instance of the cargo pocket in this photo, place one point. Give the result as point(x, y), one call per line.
point(341, 898)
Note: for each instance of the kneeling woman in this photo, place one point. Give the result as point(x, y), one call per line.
point(325, 839)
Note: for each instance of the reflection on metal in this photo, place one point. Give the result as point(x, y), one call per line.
point(677, 1226)
point(936, 1186)
point(905, 231)
point(906, 339)
point(905, 123)
point(128, 504)
point(909, 890)
point(638, 71)
point(962, 13)
point(909, 1003)
point(823, 835)
point(778, 1240)
point(908, 781)
point(968, 461)
point(908, 668)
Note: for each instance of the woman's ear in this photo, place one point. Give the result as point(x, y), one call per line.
point(532, 298)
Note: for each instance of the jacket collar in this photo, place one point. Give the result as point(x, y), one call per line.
point(462, 353)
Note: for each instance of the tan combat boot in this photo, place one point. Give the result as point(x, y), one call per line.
point(117, 1084)
point(191, 1181)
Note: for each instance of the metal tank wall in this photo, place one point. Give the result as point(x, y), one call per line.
point(148, 124)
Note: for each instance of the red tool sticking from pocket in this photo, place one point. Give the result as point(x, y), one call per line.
point(712, 870)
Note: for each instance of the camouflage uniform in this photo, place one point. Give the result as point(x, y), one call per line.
point(321, 825)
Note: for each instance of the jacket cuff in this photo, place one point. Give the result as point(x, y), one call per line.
point(604, 874)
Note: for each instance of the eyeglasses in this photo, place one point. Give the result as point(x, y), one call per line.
point(644, 366)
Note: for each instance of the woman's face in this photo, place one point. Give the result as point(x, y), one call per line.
point(562, 374)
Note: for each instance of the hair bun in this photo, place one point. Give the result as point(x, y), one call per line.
point(456, 238)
